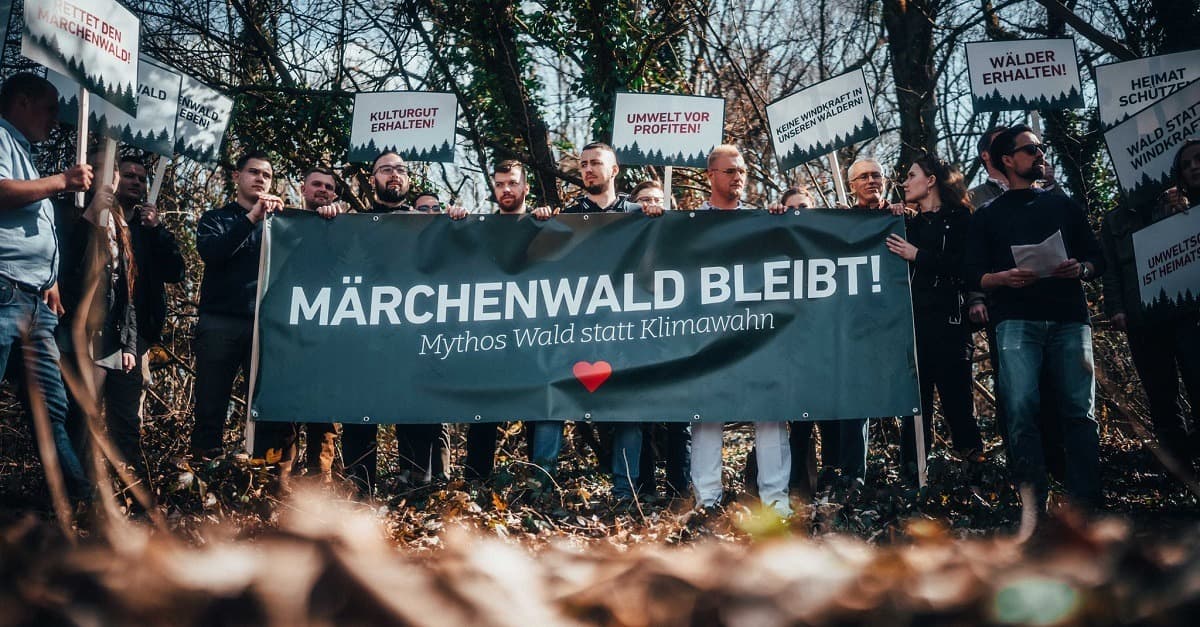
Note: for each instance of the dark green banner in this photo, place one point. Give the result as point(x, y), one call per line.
point(721, 316)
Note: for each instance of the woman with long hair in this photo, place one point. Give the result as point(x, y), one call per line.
point(98, 334)
point(934, 248)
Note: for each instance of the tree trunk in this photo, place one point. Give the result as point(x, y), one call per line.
point(909, 25)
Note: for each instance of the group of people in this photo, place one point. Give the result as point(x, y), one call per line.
point(115, 256)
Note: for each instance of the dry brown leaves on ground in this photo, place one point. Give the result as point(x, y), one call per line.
point(332, 563)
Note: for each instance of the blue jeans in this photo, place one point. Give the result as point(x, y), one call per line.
point(1062, 352)
point(27, 325)
point(627, 452)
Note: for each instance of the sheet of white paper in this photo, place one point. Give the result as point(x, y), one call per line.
point(1041, 258)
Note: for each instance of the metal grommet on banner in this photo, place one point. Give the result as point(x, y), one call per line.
point(482, 218)
point(695, 416)
point(585, 216)
point(692, 214)
point(806, 414)
point(478, 417)
point(254, 413)
point(797, 212)
point(375, 218)
point(587, 416)
point(916, 410)
point(366, 419)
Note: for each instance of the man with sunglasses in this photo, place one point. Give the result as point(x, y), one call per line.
point(1042, 323)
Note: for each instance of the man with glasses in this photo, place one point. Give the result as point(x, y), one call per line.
point(390, 183)
point(1041, 318)
point(427, 202)
point(867, 184)
point(421, 448)
point(727, 179)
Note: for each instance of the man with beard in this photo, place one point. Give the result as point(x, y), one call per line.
point(510, 188)
point(157, 258)
point(598, 168)
point(1042, 322)
point(319, 192)
point(727, 179)
point(228, 239)
point(421, 448)
point(390, 181)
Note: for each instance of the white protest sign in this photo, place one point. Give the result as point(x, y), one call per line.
point(204, 115)
point(1142, 148)
point(821, 118)
point(1168, 262)
point(153, 130)
point(1024, 74)
point(1128, 87)
point(418, 125)
point(667, 129)
point(95, 42)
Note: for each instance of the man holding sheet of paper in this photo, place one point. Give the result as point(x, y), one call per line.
point(1030, 250)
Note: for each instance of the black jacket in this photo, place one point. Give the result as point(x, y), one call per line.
point(940, 238)
point(158, 262)
point(1029, 216)
point(229, 243)
point(112, 317)
point(583, 204)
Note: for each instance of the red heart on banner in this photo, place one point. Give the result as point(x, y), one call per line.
point(592, 376)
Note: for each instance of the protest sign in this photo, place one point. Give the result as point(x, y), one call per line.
point(204, 115)
point(153, 130)
point(821, 118)
point(94, 42)
point(418, 125)
point(1168, 263)
point(1024, 75)
point(667, 129)
point(703, 316)
point(1128, 87)
point(1142, 148)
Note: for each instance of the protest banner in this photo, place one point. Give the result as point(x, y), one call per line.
point(701, 316)
point(204, 115)
point(821, 118)
point(1130, 86)
point(1024, 75)
point(1142, 148)
point(667, 129)
point(417, 125)
point(152, 130)
point(1168, 264)
point(94, 42)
